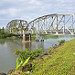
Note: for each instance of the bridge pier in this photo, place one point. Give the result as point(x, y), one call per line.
point(23, 36)
point(39, 38)
point(63, 33)
point(29, 37)
point(72, 33)
point(26, 37)
point(56, 32)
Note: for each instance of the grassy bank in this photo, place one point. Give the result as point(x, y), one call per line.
point(59, 61)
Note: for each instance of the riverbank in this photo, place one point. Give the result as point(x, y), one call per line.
point(58, 61)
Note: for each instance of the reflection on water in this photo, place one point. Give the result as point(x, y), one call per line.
point(37, 45)
point(7, 48)
point(2, 41)
point(33, 45)
point(26, 45)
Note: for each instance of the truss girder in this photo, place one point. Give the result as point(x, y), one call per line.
point(16, 26)
point(64, 23)
point(58, 23)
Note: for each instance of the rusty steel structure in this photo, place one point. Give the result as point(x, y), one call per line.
point(16, 26)
point(52, 23)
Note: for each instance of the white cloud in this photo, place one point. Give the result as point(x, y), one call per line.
point(11, 11)
point(13, 0)
point(66, 0)
point(35, 2)
point(31, 9)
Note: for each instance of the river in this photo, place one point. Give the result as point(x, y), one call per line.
point(7, 48)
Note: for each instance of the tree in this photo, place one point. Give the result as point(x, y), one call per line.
point(3, 29)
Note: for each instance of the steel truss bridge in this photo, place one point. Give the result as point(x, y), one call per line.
point(53, 23)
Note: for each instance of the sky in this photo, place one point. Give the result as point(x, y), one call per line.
point(32, 9)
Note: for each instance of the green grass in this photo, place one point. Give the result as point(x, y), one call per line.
point(61, 62)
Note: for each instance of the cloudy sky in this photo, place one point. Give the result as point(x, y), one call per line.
point(31, 9)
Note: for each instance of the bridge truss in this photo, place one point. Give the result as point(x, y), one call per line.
point(16, 26)
point(53, 23)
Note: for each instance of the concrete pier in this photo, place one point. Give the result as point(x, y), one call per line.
point(27, 37)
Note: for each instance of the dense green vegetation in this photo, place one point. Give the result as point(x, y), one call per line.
point(61, 41)
point(19, 63)
point(4, 34)
point(24, 54)
point(59, 61)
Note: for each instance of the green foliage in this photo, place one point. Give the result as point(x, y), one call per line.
point(21, 62)
point(16, 62)
point(27, 34)
point(50, 48)
point(33, 38)
point(33, 34)
point(24, 54)
point(61, 41)
point(15, 34)
point(26, 61)
point(37, 52)
point(17, 66)
point(4, 34)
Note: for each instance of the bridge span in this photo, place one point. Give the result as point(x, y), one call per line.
point(52, 23)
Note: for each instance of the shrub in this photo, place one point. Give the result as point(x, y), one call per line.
point(33, 34)
point(61, 41)
point(4, 35)
point(24, 54)
point(21, 64)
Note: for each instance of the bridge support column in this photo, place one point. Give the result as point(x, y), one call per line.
point(23, 36)
point(72, 33)
point(46, 32)
point(29, 37)
point(56, 32)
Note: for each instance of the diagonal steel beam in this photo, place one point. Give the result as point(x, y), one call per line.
point(68, 19)
point(52, 23)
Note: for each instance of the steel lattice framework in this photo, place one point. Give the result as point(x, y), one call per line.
point(16, 26)
point(53, 23)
